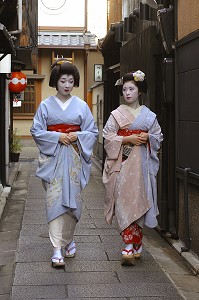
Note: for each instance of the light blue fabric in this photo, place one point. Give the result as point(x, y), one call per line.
point(62, 170)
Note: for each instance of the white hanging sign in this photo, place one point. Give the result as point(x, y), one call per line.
point(16, 103)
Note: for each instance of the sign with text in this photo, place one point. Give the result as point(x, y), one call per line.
point(16, 103)
point(98, 73)
point(18, 96)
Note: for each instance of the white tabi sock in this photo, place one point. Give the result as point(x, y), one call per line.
point(57, 252)
point(128, 249)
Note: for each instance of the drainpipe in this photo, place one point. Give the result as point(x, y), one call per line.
point(86, 52)
point(19, 15)
point(186, 208)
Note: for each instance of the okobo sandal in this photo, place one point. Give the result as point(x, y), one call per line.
point(128, 259)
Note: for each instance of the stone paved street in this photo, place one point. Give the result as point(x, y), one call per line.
point(95, 272)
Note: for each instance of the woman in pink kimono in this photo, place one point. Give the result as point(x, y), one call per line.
point(65, 133)
point(132, 138)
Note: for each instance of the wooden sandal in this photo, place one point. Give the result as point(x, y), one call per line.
point(129, 258)
point(70, 250)
point(137, 250)
point(57, 262)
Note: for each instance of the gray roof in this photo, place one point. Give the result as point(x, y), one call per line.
point(72, 40)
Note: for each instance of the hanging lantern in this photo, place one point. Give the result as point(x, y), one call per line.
point(18, 82)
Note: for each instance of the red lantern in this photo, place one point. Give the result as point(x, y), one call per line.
point(18, 82)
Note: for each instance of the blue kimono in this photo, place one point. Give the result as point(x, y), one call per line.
point(63, 171)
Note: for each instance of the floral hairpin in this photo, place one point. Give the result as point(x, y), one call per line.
point(138, 75)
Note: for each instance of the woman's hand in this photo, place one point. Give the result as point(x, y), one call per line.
point(136, 139)
point(144, 137)
point(67, 138)
point(72, 136)
point(64, 139)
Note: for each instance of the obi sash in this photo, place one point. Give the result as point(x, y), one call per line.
point(65, 128)
point(127, 132)
point(127, 148)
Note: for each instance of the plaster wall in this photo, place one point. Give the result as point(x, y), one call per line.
point(188, 17)
point(93, 58)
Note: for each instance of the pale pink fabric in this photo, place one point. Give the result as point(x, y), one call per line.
point(124, 182)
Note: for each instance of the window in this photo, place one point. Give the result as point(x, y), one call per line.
point(28, 105)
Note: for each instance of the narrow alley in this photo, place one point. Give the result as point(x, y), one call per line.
point(95, 272)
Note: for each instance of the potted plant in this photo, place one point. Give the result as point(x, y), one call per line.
point(15, 146)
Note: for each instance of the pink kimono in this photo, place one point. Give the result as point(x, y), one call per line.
point(130, 185)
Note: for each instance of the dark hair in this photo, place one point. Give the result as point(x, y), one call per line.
point(142, 85)
point(61, 67)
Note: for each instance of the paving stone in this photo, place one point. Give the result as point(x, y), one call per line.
point(64, 278)
point(109, 232)
point(124, 290)
point(9, 236)
point(36, 292)
point(87, 298)
point(37, 205)
point(188, 282)
point(34, 217)
point(102, 224)
point(148, 276)
point(5, 269)
point(10, 245)
point(30, 253)
point(38, 230)
point(5, 297)
point(5, 285)
point(96, 213)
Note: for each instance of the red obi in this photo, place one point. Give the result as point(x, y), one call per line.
point(65, 128)
point(127, 132)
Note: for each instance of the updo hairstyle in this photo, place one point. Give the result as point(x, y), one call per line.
point(61, 67)
point(141, 85)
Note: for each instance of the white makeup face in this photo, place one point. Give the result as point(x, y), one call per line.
point(130, 92)
point(65, 84)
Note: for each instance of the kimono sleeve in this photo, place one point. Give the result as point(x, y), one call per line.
point(46, 141)
point(155, 139)
point(113, 142)
point(86, 140)
point(88, 134)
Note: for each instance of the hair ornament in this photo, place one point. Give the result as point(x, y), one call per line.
point(138, 75)
point(60, 62)
point(119, 81)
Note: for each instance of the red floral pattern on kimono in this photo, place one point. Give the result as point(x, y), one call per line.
point(132, 234)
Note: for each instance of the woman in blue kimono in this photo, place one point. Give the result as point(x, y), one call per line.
point(65, 133)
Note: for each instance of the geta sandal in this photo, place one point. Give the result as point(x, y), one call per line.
point(137, 250)
point(70, 249)
point(57, 262)
point(128, 259)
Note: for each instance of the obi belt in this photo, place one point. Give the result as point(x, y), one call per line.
point(127, 148)
point(65, 128)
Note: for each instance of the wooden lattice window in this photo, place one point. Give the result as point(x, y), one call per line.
point(28, 105)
